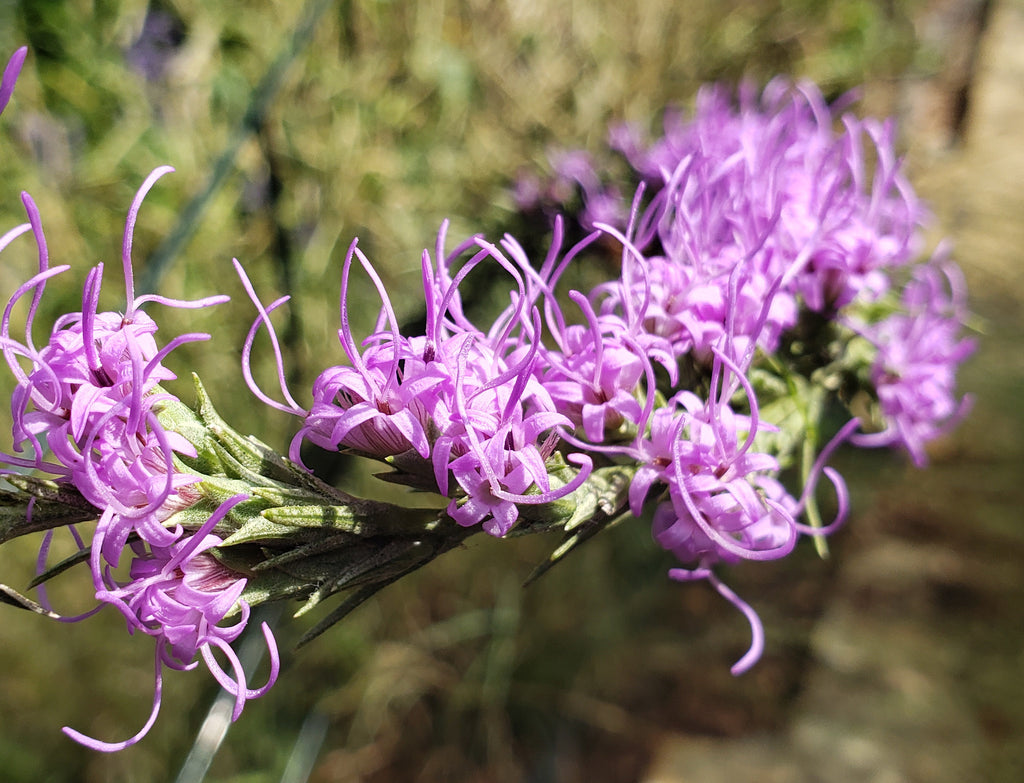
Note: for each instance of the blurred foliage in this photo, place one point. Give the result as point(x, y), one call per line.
point(392, 117)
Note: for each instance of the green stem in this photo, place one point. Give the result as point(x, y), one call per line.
point(809, 453)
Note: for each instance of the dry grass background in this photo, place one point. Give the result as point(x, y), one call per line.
point(390, 117)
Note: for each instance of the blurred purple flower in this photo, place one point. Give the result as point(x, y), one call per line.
point(161, 36)
point(601, 203)
point(759, 207)
point(772, 184)
point(919, 352)
point(572, 171)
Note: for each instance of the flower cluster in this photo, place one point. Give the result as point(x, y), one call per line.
point(764, 249)
point(777, 238)
point(766, 273)
point(85, 409)
point(469, 404)
point(769, 199)
point(601, 203)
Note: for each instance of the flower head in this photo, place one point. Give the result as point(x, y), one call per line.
point(90, 397)
point(919, 351)
point(179, 594)
point(771, 177)
point(462, 406)
point(760, 207)
point(726, 503)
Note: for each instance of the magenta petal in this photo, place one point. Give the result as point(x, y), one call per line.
point(113, 747)
point(11, 73)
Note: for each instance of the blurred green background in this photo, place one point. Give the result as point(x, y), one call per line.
point(379, 120)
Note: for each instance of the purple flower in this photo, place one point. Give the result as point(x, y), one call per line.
point(368, 407)
point(572, 171)
point(494, 444)
point(758, 209)
point(160, 37)
point(601, 203)
point(594, 379)
point(527, 191)
point(398, 387)
point(599, 374)
point(651, 162)
point(724, 502)
point(88, 396)
point(179, 594)
point(776, 169)
point(478, 472)
point(919, 351)
point(716, 499)
point(468, 404)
